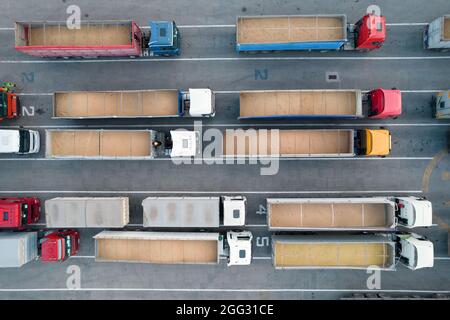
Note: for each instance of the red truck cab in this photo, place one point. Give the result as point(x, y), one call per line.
point(59, 245)
point(384, 103)
point(371, 32)
point(9, 104)
point(19, 212)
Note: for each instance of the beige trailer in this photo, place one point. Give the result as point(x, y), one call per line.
point(333, 252)
point(55, 34)
point(331, 214)
point(158, 247)
point(116, 104)
point(100, 144)
point(288, 143)
point(300, 103)
point(288, 29)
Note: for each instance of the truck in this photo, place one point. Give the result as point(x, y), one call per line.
point(309, 32)
point(441, 104)
point(19, 248)
point(348, 214)
point(19, 141)
point(79, 212)
point(194, 212)
point(91, 39)
point(294, 104)
point(9, 101)
point(363, 251)
point(436, 35)
point(18, 212)
point(120, 144)
point(173, 247)
point(306, 143)
point(133, 104)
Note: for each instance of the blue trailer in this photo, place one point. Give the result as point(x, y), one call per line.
point(308, 32)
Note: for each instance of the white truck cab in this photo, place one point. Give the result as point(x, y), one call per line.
point(416, 252)
point(185, 143)
point(234, 210)
point(239, 248)
point(414, 212)
point(201, 102)
point(19, 141)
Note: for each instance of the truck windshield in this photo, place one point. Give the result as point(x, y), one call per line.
point(24, 141)
point(68, 252)
point(3, 105)
point(24, 214)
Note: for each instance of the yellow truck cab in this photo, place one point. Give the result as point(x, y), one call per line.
point(374, 142)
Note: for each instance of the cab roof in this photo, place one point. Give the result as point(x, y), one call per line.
point(161, 33)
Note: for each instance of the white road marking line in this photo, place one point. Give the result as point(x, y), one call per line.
point(256, 161)
point(221, 59)
point(406, 24)
point(200, 26)
point(141, 225)
point(208, 192)
point(228, 290)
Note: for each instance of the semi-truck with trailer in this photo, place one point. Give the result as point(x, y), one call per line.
point(436, 35)
point(306, 143)
point(441, 104)
point(309, 32)
point(121, 144)
point(18, 212)
point(174, 247)
point(79, 212)
point(9, 101)
point(328, 103)
point(91, 39)
point(194, 212)
point(363, 251)
point(19, 141)
point(133, 104)
point(19, 248)
point(348, 214)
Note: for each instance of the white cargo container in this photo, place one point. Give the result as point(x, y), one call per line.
point(73, 212)
point(194, 212)
point(17, 248)
point(436, 35)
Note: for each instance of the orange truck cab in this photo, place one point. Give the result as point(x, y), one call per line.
point(373, 142)
point(9, 104)
point(57, 246)
point(384, 103)
point(19, 212)
point(370, 32)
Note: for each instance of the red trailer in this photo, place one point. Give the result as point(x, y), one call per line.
point(19, 212)
point(92, 39)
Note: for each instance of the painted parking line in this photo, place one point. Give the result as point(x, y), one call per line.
point(226, 290)
point(209, 192)
point(224, 59)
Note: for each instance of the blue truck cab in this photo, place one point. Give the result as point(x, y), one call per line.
point(164, 39)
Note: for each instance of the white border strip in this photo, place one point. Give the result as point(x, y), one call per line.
point(228, 290)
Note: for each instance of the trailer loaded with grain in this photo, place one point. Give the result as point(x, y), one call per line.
point(309, 32)
point(292, 104)
point(73, 212)
point(348, 214)
point(97, 39)
point(306, 143)
point(120, 144)
point(351, 251)
point(173, 247)
point(133, 104)
point(194, 212)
